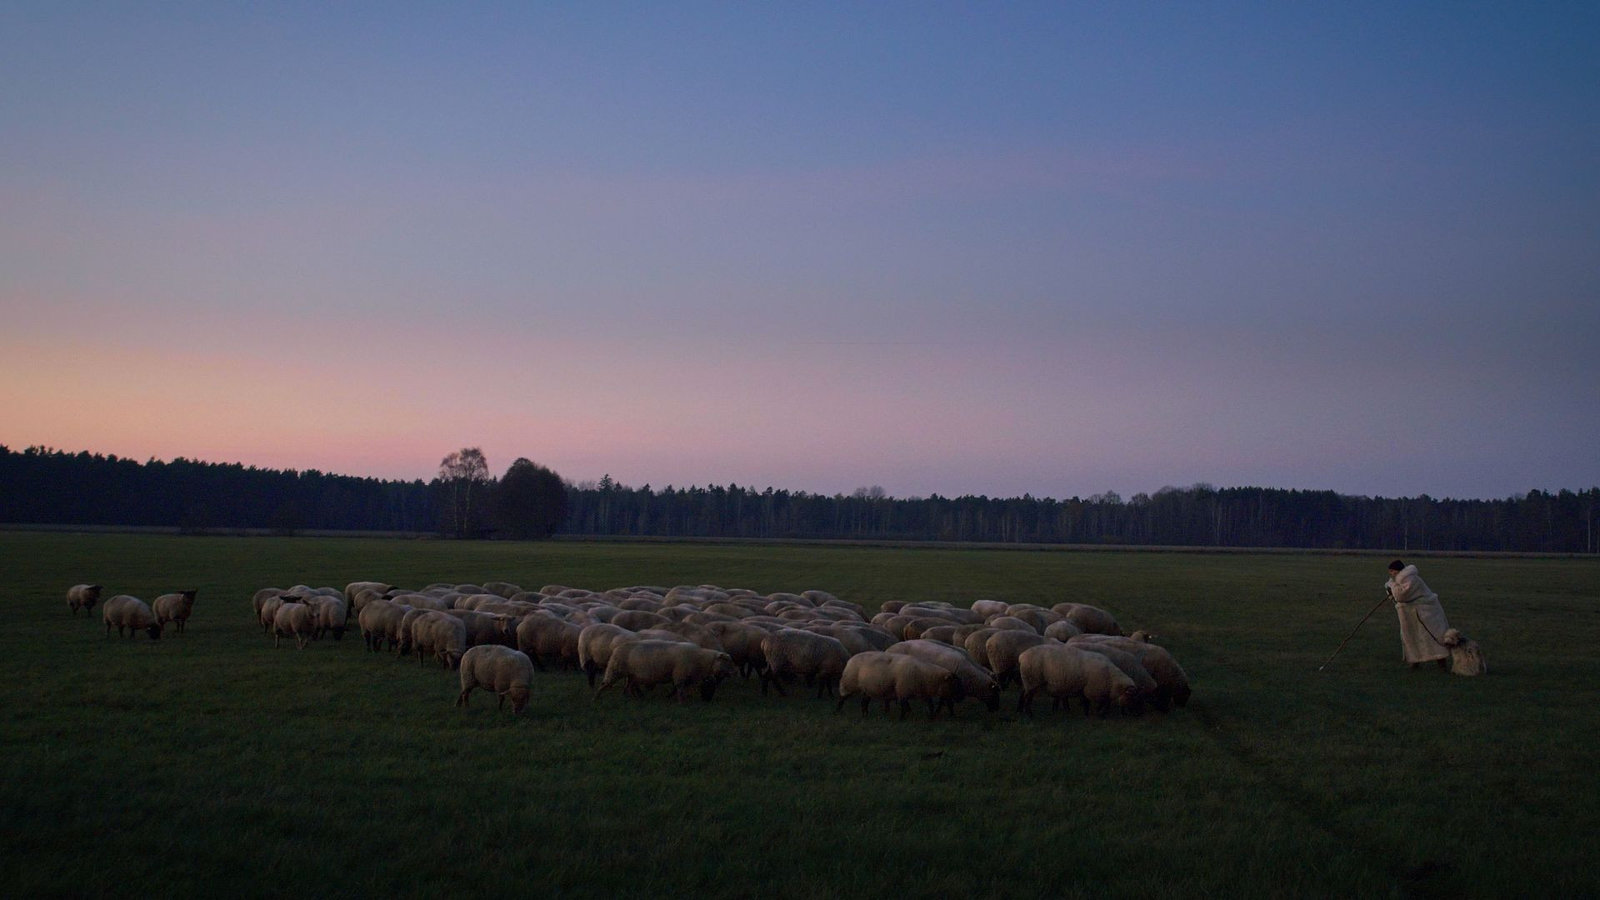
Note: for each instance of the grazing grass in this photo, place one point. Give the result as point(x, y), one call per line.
point(212, 762)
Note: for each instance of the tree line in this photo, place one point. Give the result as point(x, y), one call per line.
point(44, 486)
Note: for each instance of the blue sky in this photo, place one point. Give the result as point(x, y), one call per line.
point(1044, 248)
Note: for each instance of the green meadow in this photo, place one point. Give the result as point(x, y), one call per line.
point(213, 763)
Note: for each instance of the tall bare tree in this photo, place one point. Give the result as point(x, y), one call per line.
point(465, 476)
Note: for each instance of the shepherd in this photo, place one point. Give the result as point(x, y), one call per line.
point(1422, 621)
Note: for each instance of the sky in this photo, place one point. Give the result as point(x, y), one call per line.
point(1054, 248)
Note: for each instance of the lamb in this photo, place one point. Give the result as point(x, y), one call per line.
point(174, 608)
point(84, 597)
point(507, 672)
point(1466, 657)
point(976, 682)
point(816, 658)
point(878, 675)
point(124, 611)
point(296, 620)
point(1090, 619)
point(1004, 648)
point(646, 663)
point(441, 636)
point(1064, 672)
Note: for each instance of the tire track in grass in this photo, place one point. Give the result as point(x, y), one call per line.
point(1428, 879)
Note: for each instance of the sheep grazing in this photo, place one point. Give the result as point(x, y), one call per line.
point(1063, 630)
point(354, 588)
point(1089, 619)
point(1130, 665)
point(987, 608)
point(174, 608)
point(1003, 649)
point(1172, 683)
point(441, 636)
point(976, 682)
point(646, 663)
point(548, 641)
point(84, 597)
point(595, 643)
point(507, 672)
point(1466, 657)
point(295, 619)
point(380, 624)
point(1064, 672)
point(332, 614)
point(815, 658)
point(124, 611)
point(877, 675)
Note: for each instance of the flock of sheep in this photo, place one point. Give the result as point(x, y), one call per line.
point(695, 637)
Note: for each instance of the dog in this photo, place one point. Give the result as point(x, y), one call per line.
point(1466, 657)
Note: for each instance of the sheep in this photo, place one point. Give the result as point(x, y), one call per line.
point(976, 682)
point(896, 677)
point(380, 622)
point(356, 587)
point(485, 628)
point(502, 588)
point(332, 615)
point(1036, 616)
point(1466, 657)
point(1003, 649)
point(976, 645)
point(174, 608)
point(1172, 683)
point(296, 620)
point(260, 598)
point(1012, 623)
point(742, 641)
point(1064, 672)
point(816, 658)
point(124, 611)
point(84, 597)
point(595, 643)
point(441, 636)
point(1130, 665)
point(646, 663)
point(548, 640)
point(987, 608)
point(507, 672)
point(425, 601)
point(639, 619)
point(1062, 631)
point(1091, 619)
point(944, 634)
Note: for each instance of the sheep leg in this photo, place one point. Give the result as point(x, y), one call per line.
point(865, 703)
point(462, 699)
point(840, 705)
point(905, 707)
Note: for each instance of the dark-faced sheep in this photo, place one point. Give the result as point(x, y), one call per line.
point(174, 608)
point(84, 597)
point(124, 611)
point(507, 672)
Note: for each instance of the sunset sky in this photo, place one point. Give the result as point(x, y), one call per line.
point(1055, 248)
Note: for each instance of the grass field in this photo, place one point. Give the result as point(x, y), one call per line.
point(212, 763)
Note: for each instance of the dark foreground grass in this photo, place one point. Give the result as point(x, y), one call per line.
point(213, 763)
